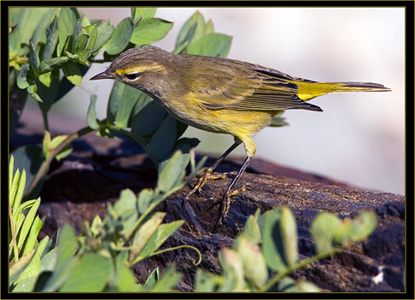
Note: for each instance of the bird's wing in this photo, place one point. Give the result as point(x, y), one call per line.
point(246, 88)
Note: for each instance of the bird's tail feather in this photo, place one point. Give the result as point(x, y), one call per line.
point(308, 90)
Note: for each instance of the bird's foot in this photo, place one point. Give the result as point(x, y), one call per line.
point(226, 204)
point(203, 179)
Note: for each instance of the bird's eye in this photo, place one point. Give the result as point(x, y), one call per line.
point(132, 76)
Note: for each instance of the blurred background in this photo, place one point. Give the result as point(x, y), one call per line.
point(358, 139)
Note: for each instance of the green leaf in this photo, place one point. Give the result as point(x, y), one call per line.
point(209, 28)
point(73, 74)
point(299, 286)
point(126, 208)
point(28, 23)
point(22, 80)
point(66, 245)
point(253, 262)
point(233, 271)
point(16, 269)
point(252, 230)
point(143, 12)
point(41, 33)
point(120, 37)
point(127, 203)
point(213, 44)
point(67, 24)
point(150, 30)
point(167, 281)
point(46, 79)
point(29, 158)
point(278, 120)
point(92, 115)
point(143, 235)
point(51, 39)
point(92, 31)
point(323, 230)
point(96, 226)
point(148, 119)
point(288, 228)
point(207, 282)
point(91, 274)
point(117, 111)
point(49, 260)
point(162, 233)
point(152, 278)
point(169, 174)
point(84, 22)
point(18, 210)
point(49, 95)
point(81, 43)
point(363, 225)
point(126, 106)
point(55, 142)
point(27, 224)
point(32, 90)
point(124, 278)
point(185, 145)
point(343, 232)
point(272, 246)
point(15, 184)
point(31, 239)
point(60, 275)
point(144, 200)
point(17, 189)
point(104, 32)
point(27, 279)
point(52, 64)
point(163, 139)
point(34, 59)
point(191, 31)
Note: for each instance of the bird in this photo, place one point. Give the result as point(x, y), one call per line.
point(221, 95)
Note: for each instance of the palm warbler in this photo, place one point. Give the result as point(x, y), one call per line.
point(221, 95)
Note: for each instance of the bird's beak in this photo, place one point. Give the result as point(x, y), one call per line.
point(104, 75)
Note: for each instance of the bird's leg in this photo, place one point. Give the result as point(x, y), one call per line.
point(226, 201)
point(208, 173)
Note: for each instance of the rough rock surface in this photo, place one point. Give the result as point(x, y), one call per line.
point(99, 169)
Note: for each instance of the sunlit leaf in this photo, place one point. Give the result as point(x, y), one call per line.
point(169, 174)
point(150, 30)
point(288, 228)
point(323, 230)
point(51, 39)
point(120, 37)
point(143, 12)
point(91, 274)
point(163, 232)
point(192, 30)
point(104, 32)
point(73, 74)
point(213, 44)
point(67, 24)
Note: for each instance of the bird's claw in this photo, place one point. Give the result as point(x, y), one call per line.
point(203, 179)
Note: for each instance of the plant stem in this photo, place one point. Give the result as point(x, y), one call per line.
point(45, 120)
point(45, 165)
point(14, 238)
point(297, 266)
